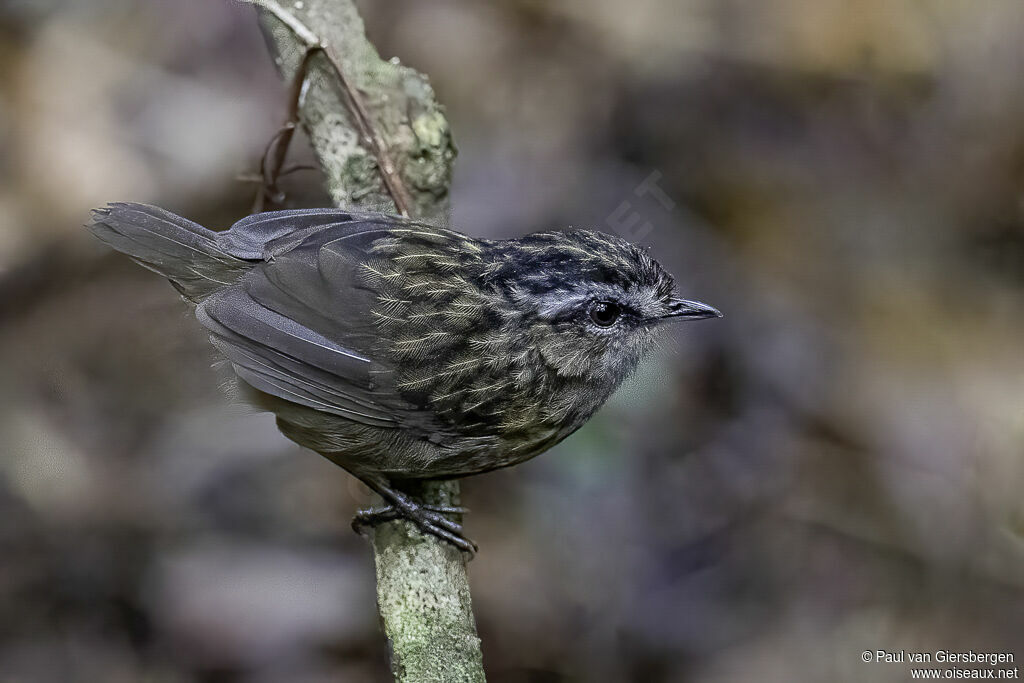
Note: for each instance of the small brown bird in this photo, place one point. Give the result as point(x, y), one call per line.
point(405, 351)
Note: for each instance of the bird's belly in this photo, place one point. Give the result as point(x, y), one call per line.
point(528, 428)
point(476, 456)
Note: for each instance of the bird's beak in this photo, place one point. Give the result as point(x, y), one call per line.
point(690, 310)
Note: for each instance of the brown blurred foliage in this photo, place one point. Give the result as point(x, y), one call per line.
point(833, 467)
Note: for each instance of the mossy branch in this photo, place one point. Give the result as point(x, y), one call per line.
point(384, 144)
point(380, 135)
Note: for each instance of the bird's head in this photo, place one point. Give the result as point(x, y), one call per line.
point(593, 302)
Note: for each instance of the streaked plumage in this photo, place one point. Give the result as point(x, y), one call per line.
point(401, 350)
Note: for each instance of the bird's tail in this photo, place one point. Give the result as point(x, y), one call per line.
point(184, 252)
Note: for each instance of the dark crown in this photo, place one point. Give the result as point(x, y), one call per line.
point(546, 261)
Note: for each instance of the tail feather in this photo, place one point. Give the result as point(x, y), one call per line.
point(184, 252)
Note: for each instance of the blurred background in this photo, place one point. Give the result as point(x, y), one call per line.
point(835, 466)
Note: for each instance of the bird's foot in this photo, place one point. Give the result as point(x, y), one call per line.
point(429, 518)
point(389, 513)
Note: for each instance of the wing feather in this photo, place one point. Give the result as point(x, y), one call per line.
point(266, 234)
point(299, 327)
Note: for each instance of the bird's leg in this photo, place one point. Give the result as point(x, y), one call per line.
point(373, 516)
point(389, 513)
point(429, 518)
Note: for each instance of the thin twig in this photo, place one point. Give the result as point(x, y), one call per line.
point(288, 19)
point(277, 148)
point(364, 124)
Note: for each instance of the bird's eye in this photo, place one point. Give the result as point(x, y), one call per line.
point(604, 313)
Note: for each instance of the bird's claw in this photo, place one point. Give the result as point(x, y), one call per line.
point(429, 518)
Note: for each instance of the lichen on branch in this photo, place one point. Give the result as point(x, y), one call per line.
point(377, 129)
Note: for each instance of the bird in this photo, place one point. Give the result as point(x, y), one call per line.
point(405, 351)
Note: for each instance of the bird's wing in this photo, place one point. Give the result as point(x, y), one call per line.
point(267, 234)
point(299, 325)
